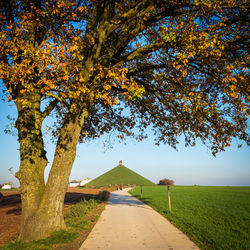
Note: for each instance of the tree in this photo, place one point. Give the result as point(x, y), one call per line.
point(177, 67)
point(167, 182)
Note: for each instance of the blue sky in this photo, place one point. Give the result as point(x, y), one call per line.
point(187, 166)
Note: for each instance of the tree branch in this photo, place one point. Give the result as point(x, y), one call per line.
point(49, 108)
point(138, 52)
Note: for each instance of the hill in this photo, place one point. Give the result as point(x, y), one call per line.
point(119, 175)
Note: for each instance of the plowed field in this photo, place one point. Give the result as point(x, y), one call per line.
point(11, 209)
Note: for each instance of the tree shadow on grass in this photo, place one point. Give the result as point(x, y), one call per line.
point(144, 200)
point(148, 201)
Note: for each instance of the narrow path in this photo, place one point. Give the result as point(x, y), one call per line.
point(129, 224)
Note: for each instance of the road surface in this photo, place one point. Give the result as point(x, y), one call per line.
point(129, 224)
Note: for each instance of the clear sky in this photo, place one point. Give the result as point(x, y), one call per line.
point(187, 166)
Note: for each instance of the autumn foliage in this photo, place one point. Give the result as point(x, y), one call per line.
point(166, 181)
point(179, 68)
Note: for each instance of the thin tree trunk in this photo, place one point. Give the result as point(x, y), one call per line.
point(49, 216)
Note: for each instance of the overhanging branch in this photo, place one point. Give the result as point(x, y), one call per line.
point(49, 108)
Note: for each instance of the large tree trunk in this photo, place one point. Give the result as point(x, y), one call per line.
point(32, 160)
point(49, 215)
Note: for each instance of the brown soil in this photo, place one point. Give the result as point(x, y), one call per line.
point(11, 209)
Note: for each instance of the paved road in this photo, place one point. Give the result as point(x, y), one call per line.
point(129, 224)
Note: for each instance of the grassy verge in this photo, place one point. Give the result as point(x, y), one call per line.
point(79, 220)
point(6, 190)
point(213, 217)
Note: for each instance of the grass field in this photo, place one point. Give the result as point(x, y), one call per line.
point(119, 175)
point(213, 217)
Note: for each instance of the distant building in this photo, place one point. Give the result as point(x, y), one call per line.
point(6, 186)
point(83, 182)
point(74, 184)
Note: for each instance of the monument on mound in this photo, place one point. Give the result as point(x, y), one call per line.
point(119, 175)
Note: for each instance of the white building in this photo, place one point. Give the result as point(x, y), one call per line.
point(6, 186)
point(74, 184)
point(83, 182)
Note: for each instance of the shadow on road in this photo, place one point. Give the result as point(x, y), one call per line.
point(121, 199)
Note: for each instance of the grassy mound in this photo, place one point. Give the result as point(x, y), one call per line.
point(119, 175)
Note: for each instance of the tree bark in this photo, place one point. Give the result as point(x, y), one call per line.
point(49, 215)
point(32, 160)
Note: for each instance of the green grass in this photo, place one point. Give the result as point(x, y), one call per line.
point(119, 175)
point(5, 190)
point(75, 222)
point(213, 217)
point(59, 237)
point(74, 218)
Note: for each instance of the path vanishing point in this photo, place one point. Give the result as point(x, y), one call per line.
point(129, 224)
